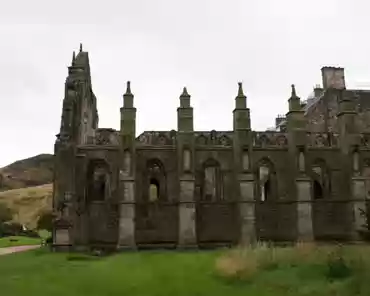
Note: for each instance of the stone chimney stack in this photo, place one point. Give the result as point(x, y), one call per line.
point(333, 78)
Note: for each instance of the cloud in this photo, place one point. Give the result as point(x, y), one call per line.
point(162, 46)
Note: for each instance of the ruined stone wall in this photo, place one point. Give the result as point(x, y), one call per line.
point(217, 220)
point(156, 215)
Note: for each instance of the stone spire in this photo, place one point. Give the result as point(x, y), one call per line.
point(185, 93)
point(80, 47)
point(185, 113)
point(241, 116)
point(240, 90)
point(241, 99)
point(185, 99)
point(294, 94)
point(128, 89)
point(295, 119)
point(128, 97)
point(294, 100)
point(73, 58)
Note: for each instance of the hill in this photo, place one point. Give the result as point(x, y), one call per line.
point(28, 203)
point(33, 171)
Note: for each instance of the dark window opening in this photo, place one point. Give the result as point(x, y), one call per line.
point(266, 190)
point(317, 190)
point(101, 187)
point(154, 190)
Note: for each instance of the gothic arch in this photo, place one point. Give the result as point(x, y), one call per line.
point(98, 180)
point(211, 181)
point(320, 175)
point(155, 181)
point(266, 185)
point(201, 140)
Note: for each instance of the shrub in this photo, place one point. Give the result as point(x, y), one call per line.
point(6, 213)
point(30, 233)
point(10, 229)
point(45, 221)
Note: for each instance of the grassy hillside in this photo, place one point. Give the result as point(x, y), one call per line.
point(33, 171)
point(28, 203)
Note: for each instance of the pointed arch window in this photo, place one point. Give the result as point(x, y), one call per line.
point(155, 181)
point(321, 181)
point(266, 181)
point(212, 181)
point(98, 178)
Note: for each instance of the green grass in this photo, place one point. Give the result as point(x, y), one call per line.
point(12, 241)
point(39, 272)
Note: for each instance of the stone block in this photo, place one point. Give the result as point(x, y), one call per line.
point(187, 225)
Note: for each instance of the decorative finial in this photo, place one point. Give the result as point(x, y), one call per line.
point(80, 47)
point(128, 88)
point(73, 58)
point(185, 93)
point(294, 94)
point(240, 90)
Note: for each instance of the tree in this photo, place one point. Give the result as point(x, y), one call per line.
point(6, 214)
point(45, 221)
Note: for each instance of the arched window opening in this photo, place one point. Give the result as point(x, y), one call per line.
point(98, 179)
point(266, 177)
point(212, 181)
point(101, 186)
point(317, 190)
point(154, 190)
point(154, 181)
point(266, 194)
point(321, 180)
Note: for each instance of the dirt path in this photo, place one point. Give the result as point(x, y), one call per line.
point(10, 250)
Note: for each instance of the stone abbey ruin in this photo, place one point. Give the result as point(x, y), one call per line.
point(308, 179)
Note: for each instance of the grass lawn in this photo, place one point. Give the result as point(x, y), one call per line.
point(12, 241)
point(239, 272)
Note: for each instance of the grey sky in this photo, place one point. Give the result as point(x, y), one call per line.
point(163, 45)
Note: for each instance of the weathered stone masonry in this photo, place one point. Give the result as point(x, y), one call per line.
point(185, 188)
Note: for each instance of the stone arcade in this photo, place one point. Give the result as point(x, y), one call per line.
point(308, 179)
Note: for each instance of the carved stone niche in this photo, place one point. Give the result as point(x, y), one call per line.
point(245, 160)
point(201, 140)
point(161, 139)
point(213, 137)
point(263, 140)
point(172, 136)
point(126, 163)
point(301, 162)
point(106, 137)
point(225, 141)
point(356, 163)
point(186, 160)
point(365, 140)
point(281, 141)
point(320, 141)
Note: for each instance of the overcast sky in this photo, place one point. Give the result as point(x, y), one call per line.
point(163, 45)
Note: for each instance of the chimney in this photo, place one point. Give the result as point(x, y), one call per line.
point(333, 77)
point(279, 119)
point(317, 91)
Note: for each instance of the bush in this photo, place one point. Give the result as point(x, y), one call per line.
point(45, 221)
point(30, 233)
point(6, 213)
point(10, 229)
